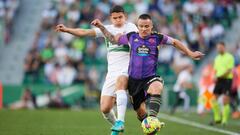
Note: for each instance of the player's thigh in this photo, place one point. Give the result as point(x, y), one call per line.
point(219, 87)
point(108, 88)
point(155, 88)
point(136, 92)
point(122, 82)
point(226, 88)
point(108, 94)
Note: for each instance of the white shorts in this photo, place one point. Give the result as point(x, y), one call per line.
point(117, 65)
point(110, 83)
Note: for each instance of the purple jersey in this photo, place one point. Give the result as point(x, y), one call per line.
point(143, 53)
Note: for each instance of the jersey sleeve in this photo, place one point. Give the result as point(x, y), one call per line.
point(230, 62)
point(99, 32)
point(165, 40)
point(215, 64)
point(124, 39)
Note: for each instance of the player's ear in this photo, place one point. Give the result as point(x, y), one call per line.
point(110, 18)
point(126, 16)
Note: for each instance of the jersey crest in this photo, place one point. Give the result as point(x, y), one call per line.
point(151, 40)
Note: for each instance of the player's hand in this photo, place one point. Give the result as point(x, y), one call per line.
point(61, 28)
point(196, 55)
point(97, 23)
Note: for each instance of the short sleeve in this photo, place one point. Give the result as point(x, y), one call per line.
point(99, 32)
point(167, 40)
point(231, 62)
point(215, 64)
point(123, 39)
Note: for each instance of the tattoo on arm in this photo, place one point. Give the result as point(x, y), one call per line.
point(108, 35)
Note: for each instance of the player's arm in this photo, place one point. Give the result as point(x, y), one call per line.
point(194, 55)
point(75, 31)
point(180, 46)
point(226, 73)
point(113, 39)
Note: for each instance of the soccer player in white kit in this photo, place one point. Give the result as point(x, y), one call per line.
point(183, 83)
point(115, 85)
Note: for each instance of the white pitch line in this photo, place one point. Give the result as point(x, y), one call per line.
point(195, 124)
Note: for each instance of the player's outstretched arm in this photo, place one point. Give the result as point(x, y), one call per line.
point(196, 55)
point(75, 31)
point(113, 39)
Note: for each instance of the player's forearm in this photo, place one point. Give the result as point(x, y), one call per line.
point(108, 35)
point(182, 47)
point(75, 32)
point(78, 32)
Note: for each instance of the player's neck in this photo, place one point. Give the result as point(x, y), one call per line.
point(222, 53)
point(118, 26)
point(142, 36)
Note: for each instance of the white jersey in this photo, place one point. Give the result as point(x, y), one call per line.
point(184, 76)
point(118, 56)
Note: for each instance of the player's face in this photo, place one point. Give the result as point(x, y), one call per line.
point(118, 19)
point(145, 27)
point(220, 48)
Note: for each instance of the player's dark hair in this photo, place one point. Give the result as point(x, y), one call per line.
point(145, 17)
point(117, 9)
point(221, 43)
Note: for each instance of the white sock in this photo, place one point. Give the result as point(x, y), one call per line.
point(110, 117)
point(121, 104)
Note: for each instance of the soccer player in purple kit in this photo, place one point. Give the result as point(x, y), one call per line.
point(143, 80)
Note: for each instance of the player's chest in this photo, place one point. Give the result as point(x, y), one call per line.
point(222, 61)
point(144, 47)
point(123, 30)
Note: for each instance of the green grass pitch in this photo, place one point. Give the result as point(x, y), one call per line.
point(90, 122)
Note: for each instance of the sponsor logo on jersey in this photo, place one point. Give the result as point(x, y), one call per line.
point(135, 40)
point(143, 50)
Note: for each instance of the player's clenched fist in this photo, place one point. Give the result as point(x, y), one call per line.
point(61, 28)
point(197, 55)
point(97, 23)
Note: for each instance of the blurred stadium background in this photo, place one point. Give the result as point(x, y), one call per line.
point(41, 69)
